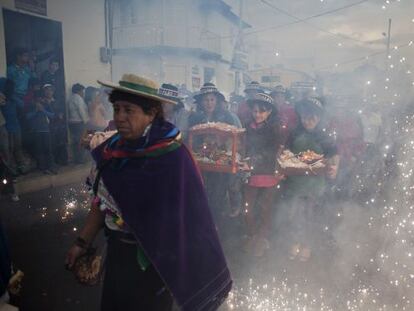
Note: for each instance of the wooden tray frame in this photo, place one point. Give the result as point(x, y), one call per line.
point(210, 167)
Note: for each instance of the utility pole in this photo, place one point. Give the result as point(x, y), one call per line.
point(237, 49)
point(238, 52)
point(388, 41)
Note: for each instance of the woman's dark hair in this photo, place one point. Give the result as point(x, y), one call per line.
point(219, 99)
point(147, 105)
point(273, 117)
point(262, 106)
point(273, 122)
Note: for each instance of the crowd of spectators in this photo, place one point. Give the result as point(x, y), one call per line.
point(39, 128)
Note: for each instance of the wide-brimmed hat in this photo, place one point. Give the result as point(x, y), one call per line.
point(310, 106)
point(170, 92)
point(138, 86)
point(261, 98)
point(208, 88)
point(253, 86)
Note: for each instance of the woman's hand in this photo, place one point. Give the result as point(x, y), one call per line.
point(332, 166)
point(85, 140)
point(73, 254)
point(94, 223)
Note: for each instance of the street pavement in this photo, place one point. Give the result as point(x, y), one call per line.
point(43, 224)
point(41, 228)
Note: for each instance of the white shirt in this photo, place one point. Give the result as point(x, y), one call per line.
point(77, 109)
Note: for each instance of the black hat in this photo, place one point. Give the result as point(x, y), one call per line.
point(169, 91)
point(278, 89)
point(209, 88)
point(261, 98)
point(310, 106)
point(253, 86)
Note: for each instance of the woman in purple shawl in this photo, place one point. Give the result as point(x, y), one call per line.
point(162, 245)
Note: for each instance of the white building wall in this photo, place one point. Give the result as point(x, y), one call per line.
point(139, 24)
point(175, 69)
point(83, 27)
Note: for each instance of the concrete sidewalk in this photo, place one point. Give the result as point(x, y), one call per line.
point(38, 181)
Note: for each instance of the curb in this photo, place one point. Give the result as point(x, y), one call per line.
point(68, 175)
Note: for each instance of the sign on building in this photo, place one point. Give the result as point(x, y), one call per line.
point(34, 6)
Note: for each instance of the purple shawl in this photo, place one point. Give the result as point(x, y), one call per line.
point(162, 200)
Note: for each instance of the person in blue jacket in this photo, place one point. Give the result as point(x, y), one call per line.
point(40, 116)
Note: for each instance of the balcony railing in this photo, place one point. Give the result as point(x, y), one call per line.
point(148, 35)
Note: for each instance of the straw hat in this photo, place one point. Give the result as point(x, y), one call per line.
point(139, 86)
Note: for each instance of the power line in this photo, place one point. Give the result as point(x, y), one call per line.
point(353, 60)
point(304, 20)
point(301, 20)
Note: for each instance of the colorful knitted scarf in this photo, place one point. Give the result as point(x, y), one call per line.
point(118, 149)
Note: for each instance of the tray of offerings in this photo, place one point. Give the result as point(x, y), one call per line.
point(216, 146)
point(303, 163)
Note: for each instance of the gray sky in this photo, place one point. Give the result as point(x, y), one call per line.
point(313, 45)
